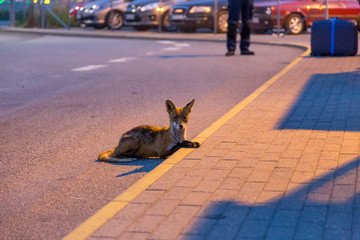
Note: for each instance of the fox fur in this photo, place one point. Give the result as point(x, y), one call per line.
point(148, 141)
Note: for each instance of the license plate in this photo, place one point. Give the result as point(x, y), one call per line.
point(177, 17)
point(130, 16)
point(256, 20)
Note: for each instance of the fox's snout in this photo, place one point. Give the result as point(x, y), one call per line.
point(179, 126)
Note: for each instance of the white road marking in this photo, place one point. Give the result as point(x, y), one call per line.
point(88, 68)
point(166, 42)
point(182, 45)
point(122, 60)
point(171, 49)
point(176, 46)
point(150, 53)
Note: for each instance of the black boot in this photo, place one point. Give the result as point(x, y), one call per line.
point(247, 52)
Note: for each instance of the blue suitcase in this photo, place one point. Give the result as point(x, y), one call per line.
point(334, 37)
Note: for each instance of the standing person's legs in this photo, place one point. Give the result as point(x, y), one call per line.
point(234, 12)
point(245, 30)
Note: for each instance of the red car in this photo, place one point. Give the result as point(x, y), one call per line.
point(296, 16)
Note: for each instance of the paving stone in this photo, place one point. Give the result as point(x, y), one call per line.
point(285, 218)
point(306, 231)
point(132, 210)
point(176, 193)
point(356, 231)
point(249, 192)
point(208, 186)
point(253, 229)
point(188, 181)
point(339, 220)
point(148, 196)
point(187, 163)
point(199, 227)
point(302, 177)
point(195, 198)
point(262, 212)
point(223, 195)
point(163, 207)
point(133, 236)
point(175, 223)
point(337, 234)
point(231, 183)
point(316, 215)
point(145, 223)
point(277, 233)
point(259, 176)
point(239, 172)
point(113, 228)
point(225, 164)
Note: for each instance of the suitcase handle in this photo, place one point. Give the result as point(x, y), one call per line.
point(332, 38)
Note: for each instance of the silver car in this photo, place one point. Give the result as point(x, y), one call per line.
point(145, 14)
point(97, 14)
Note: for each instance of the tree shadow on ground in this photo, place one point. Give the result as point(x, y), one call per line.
point(327, 207)
point(327, 102)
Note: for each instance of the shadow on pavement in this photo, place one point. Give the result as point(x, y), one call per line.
point(326, 207)
point(144, 165)
point(327, 102)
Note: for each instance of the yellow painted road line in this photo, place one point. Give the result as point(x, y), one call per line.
point(89, 227)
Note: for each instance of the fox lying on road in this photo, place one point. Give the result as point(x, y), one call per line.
point(148, 141)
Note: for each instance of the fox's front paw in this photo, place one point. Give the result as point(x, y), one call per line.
point(189, 144)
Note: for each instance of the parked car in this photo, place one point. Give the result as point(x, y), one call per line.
point(145, 14)
point(296, 16)
point(189, 16)
point(76, 7)
point(97, 14)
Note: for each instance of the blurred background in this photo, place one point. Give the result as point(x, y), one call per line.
point(269, 16)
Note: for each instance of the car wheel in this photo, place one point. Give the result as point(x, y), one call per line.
point(293, 24)
point(140, 28)
point(165, 23)
point(115, 20)
point(222, 24)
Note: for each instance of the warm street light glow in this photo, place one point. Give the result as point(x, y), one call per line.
point(159, 9)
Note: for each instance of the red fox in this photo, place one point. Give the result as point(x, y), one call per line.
point(148, 141)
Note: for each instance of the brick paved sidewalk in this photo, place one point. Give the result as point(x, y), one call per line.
point(285, 167)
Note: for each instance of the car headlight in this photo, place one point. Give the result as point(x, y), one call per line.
point(268, 11)
point(150, 6)
point(95, 7)
point(200, 9)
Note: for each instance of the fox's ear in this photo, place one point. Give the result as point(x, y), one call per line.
point(189, 106)
point(169, 106)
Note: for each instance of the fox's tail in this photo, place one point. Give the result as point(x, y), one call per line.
point(110, 156)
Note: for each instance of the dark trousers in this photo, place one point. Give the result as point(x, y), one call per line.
point(239, 8)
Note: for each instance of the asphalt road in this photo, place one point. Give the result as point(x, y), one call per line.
point(64, 100)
